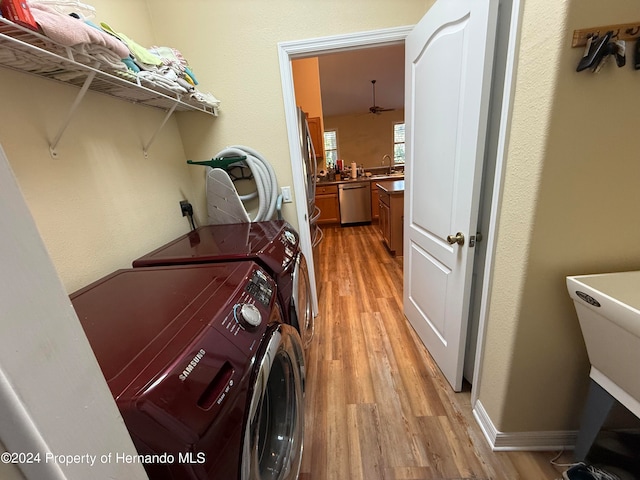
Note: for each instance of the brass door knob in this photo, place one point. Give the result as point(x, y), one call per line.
point(457, 238)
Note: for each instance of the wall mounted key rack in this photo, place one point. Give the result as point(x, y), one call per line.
point(625, 31)
point(607, 41)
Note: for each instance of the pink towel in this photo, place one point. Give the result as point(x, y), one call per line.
point(69, 31)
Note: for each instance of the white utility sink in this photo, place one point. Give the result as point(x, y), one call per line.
point(608, 308)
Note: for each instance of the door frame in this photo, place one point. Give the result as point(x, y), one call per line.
point(492, 208)
point(293, 50)
point(288, 51)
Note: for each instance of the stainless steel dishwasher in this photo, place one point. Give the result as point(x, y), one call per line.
point(355, 202)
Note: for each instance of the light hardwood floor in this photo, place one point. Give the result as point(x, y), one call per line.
point(377, 407)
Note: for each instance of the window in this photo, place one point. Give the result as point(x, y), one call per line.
point(330, 147)
point(398, 143)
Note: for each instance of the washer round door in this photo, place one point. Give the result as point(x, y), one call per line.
point(274, 430)
point(301, 298)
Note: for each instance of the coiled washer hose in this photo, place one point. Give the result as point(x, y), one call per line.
point(264, 176)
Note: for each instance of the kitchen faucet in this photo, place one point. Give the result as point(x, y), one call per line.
point(389, 157)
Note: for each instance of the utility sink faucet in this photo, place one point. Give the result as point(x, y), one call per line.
point(390, 161)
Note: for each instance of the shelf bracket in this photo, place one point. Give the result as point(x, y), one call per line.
point(145, 149)
point(79, 97)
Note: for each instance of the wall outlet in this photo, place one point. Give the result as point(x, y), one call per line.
point(186, 208)
point(286, 194)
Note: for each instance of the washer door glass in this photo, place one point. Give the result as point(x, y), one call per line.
point(302, 300)
point(275, 426)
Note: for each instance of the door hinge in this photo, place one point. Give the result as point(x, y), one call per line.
point(475, 238)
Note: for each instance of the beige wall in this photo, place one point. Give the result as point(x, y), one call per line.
point(101, 203)
point(570, 190)
point(571, 179)
point(234, 45)
point(365, 138)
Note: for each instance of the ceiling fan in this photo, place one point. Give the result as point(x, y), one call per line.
point(376, 110)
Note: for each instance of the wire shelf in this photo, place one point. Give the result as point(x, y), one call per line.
point(27, 51)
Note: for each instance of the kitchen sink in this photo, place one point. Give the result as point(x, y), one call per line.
point(608, 308)
point(388, 175)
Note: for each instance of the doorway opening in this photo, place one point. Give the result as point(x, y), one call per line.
point(337, 88)
point(496, 147)
point(288, 51)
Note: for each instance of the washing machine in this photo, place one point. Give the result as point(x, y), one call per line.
point(207, 377)
point(275, 245)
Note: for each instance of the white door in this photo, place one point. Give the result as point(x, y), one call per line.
point(449, 59)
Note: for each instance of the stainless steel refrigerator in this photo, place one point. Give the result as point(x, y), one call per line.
point(310, 171)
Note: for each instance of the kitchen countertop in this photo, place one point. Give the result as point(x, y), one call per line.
point(362, 179)
point(391, 186)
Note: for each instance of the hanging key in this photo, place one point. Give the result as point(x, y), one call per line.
point(620, 54)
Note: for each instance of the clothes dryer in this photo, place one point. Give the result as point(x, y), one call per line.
point(207, 377)
point(275, 245)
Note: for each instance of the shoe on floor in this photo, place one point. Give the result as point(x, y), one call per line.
point(588, 472)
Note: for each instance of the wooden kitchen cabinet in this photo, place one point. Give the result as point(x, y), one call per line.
point(317, 138)
point(327, 202)
point(375, 207)
point(383, 215)
point(391, 205)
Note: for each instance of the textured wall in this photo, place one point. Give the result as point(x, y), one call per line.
point(234, 44)
point(101, 203)
point(571, 185)
point(365, 138)
point(570, 181)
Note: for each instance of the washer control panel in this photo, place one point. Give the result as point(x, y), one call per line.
point(249, 310)
point(260, 288)
point(247, 315)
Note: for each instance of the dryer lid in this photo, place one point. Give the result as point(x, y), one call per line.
point(133, 315)
point(274, 244)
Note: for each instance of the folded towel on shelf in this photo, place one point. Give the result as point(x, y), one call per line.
point(68, 7)
point(167, 81)
point(131, 65)
point(144, 58)
point(126, 74)
point(169, 55)
point(186, 85)
point(69, 31)
point(173, 58)
point(205, 98)
point(190, 77)
point(103, 55)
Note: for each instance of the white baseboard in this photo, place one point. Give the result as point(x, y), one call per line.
point(500, 441)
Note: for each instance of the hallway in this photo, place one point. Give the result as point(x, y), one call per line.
point(377, 406)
